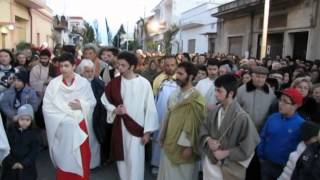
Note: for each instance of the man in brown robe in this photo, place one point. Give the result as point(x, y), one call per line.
point(227, 137)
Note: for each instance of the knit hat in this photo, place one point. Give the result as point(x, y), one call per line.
point(295, 96)
point(260, 70)
point(309, 129)
point(22, 76)
point(25, 110)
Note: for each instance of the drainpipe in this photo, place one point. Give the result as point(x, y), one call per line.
point(251, 34)
point(31, 27)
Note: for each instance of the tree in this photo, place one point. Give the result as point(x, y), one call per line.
point(89, 36)
point(167, 38)
point(118, 37)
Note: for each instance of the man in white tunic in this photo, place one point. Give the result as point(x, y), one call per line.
point(206, 86)
point(4, 144)
point(167, 86)
point(130, 104)
point(228, 137)
point(67, 108)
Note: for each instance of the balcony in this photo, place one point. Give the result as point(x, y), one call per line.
point(35, 4)
point(244, 7)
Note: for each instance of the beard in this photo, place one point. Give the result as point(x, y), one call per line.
point(45, 64)
point(182, 83)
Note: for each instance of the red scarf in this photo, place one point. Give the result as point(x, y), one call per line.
point(113, 94)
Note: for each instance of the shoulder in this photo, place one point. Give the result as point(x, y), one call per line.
point(143, 80)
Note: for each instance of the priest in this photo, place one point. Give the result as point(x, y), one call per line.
point(67, 108)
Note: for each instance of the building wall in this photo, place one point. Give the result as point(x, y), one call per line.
point(300, 18)
point(18, 14)
point(42, 27)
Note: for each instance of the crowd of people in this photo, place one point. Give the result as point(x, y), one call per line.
point(199, 116)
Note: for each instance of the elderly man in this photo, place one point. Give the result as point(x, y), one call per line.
point(256, 97)
point(98, 124)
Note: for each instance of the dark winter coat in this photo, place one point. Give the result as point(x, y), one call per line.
point(25, 148)
point(99, 113)
point(308, 165)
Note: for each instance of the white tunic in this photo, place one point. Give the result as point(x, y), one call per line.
point(207, 89)
point(4, 144)
point(62, 123)
point(165, 91)
point(138, 99)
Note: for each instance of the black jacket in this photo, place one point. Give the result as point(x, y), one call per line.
point(308, 164)
point(25, 148)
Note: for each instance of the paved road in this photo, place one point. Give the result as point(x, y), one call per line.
point(46, 170)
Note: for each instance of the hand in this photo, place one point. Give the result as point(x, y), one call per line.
point(146, 138)
point(187, 153)
point(221, 154)
point(75, 105)
point(120, 110)
point(213, 144)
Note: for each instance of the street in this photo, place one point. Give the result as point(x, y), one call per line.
point(46, 170)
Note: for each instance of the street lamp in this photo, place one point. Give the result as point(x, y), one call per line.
point(265, 29)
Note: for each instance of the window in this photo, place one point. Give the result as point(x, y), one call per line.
point(191, 45)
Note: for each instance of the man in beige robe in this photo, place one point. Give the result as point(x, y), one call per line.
point(228, 137)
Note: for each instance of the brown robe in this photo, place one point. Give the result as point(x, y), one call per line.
point(237, 134)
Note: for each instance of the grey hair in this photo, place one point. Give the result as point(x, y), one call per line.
point(91, 46)
point(85, 63)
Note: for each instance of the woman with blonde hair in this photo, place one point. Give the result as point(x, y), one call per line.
point(308, 110)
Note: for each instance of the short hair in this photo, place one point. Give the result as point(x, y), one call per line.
point(189, 68)
point(85, 63)
point(69, 48)
point(228, 82)
point(90, 46)
point(67, 57)
point(213, 62)
point(114, 51)
point(170, 57)
point(273, 83)
point(45, 52)
point(129, 57)
point(203, 68)
point(8, 52)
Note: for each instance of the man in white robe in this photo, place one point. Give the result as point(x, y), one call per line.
point(131, 109)
point(206, 86)
point(4, 144)
point(67, 108)
point(167, 86)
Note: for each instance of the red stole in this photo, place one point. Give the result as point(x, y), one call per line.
point(113, 94)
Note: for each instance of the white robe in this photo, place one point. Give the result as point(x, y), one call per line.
point(165, 91)
point(62, 123)
point(4, 144)
point(138, 99)
point(207, 89)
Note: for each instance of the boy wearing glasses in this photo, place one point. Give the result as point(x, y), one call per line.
point(280, 134)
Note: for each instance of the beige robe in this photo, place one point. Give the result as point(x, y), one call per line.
point(236, 133)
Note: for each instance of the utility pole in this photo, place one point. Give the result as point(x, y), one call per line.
point(265, 29)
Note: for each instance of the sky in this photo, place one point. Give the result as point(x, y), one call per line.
point(117, 12)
